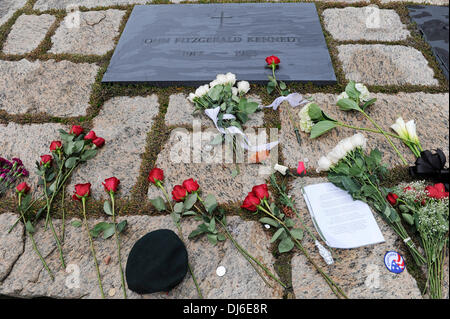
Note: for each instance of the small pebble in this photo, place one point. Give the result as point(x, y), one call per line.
point(306, 160)
point(112, 292)
point(107, 260)
point(220, 271)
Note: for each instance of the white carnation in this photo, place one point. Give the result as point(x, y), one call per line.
point(243, 87)
point(343, 95)
point(306, 123)
point(364, 92)
point(324, 164)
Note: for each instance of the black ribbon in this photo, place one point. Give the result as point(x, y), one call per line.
point(431, 166)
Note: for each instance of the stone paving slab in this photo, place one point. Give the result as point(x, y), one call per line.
point(433, 2)
point(94, 36)
point(180, 112)
point(28, 142)
point(27, 33)
point(378, 64)
point(209, 165)
point(360, 272)
point(430, 112)
point(124, 123)
point(11, 245)
point(8, 7)
point(364, 24)
point(56, 88)
point(63, 4)
point(28, 279)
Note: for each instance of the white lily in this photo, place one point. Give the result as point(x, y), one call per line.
point(411, 129)
point(280, 168)
point(400, 128)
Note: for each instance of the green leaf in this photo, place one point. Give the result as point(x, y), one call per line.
point(314, 111)
point(368, 103)
point(270, 221)
point(190, 213)
point(78, 146)
point(351, 91)
point(349, 184)
point(190, 201)
point(250, 107)
point(178, 208)
point(408, 218)
point(212, 226)
point(243, 117)
point(175, 217)
point(321, 128)
point(99, 228)
point(348, 104)
point(270, 87)
point(297, 233)
point(76, 223)
point(221, 237)
point(29, 227)
point(88, 154)
point(210, 203)
point(158, 203)
point(277, 234)
point(216, 92)
point(289, 222)
point(196, 233)
point(121, 226)
point(285, 245)
point(107, 208)
point(283, 85)
point(376, 155)
point(212, 239)
point(109, 231)
point(69, 147)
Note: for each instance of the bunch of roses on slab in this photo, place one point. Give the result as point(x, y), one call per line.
point(314, 121)
point(426, 209)
point(10, 173)
point(82, 192)
point(189, 202)
point(222, 92)
point(360, 173)
point(286, 232)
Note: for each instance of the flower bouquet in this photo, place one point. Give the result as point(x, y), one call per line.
point(10, 173)
point(426, 208)
point(359, 173)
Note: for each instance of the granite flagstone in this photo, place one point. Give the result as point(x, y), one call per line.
point(8, 7)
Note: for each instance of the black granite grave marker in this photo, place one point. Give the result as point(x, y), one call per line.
point(432, 22)
point(189, 44)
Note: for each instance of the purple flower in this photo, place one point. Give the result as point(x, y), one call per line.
point(18, 161)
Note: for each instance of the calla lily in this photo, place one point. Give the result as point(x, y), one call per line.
point(400, 128)
point(412, 134)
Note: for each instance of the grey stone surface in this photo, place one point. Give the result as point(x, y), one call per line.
point(180, 113)
point(28, 142)
point(56, 88)
point(28, 279)
point(27, 33)
point(94, 35)
point(378, 64)
point(433, 2)
point(429, 111)
point(199, 41)
point(124, 123)
point(366, 23)
point(8, 7)
point(360, 272)
point(181, 158)
point(63, 4)
point(11, 244)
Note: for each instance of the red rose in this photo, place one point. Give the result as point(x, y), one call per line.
point(55, 145)
point(99, 141)
point(191, 185)
point(155, 175)
point(179, 193)
point(82, 190)
point(90, 136)
point(273, 60)
point(111, 184)
point(261, 191)
point(251, 202)
point(46, 160)
point(76, 129)
point(392, 198)
point(23, 188)
point(437, 191)
point(301, 170)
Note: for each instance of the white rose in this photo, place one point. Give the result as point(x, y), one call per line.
point(364, 92)
point(412, 134)
point(191, 97)
point(337, 154)
point(231, 78)
point(280, 168)
point(213, 83)
point(347, 145)
point(400, 128)
point(234, 91)
point(324, 164)
point(341, 96)
point(359, 140)
point(221, 79)
point(202, 90)
point(243, 87)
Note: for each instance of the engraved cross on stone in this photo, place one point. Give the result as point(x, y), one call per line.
point(222, 16)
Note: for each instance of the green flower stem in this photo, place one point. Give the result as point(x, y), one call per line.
point(63, 226)
point(180, 233)
point(83, 200)
point(386, 136)
point(370, 130)
point(58, 243)
point(49, 203)
point(118, 245)
point(23, 214)
point(35, 248)
point(333, 286)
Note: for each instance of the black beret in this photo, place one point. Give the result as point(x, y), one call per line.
point(157, 262)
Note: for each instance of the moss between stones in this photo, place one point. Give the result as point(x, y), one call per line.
point(159, 134)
